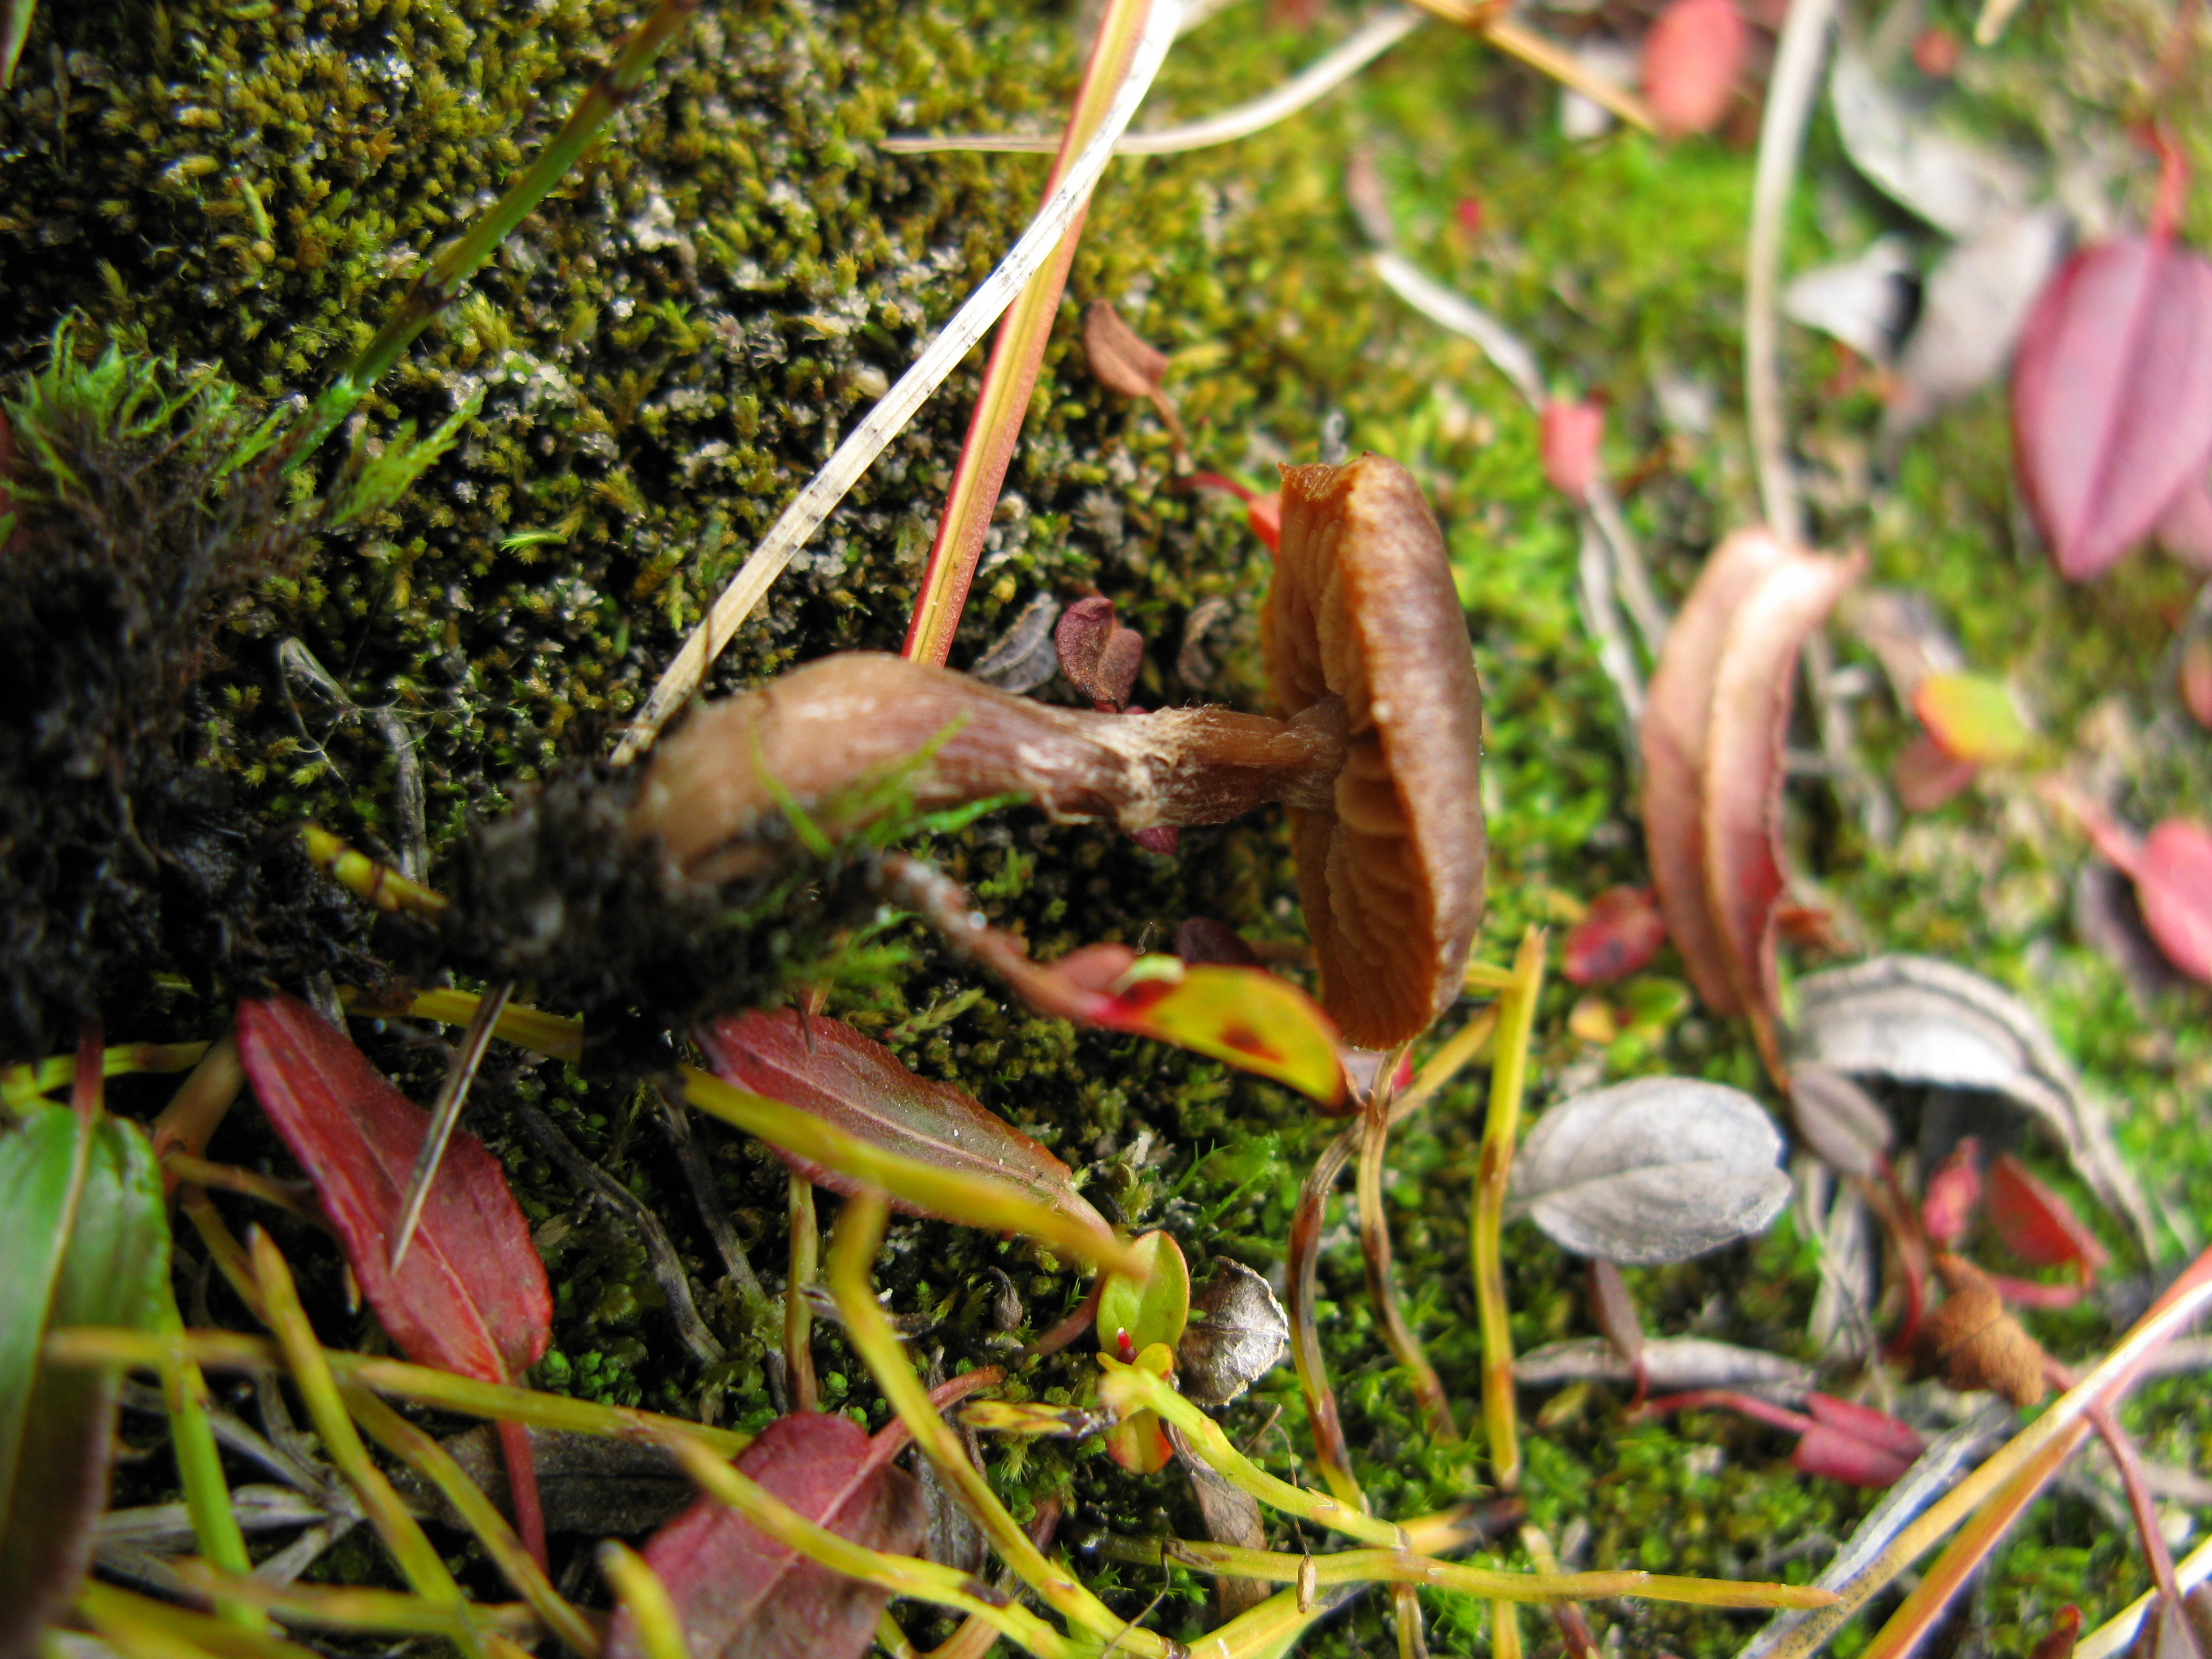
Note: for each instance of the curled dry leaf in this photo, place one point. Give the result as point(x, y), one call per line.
point(1618, 937)
point(1711, 736)
point(740, 1595)
point(1691, 55)
point(1124, 363)
point(1656, 1170)
point(1971, 1342)
point(1024, 657)
point(1919, 1020)
point(1236, 1334)
point(1961, 187)
point(825, 1068)
point(2112, 397)
point(1232, 1516)
point(1864, 301)
point(1099, 656)
point(1839, 1120)
point(1672, 1363)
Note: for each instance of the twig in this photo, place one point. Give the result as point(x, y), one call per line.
point(1491, 22)
point(677, 1122)
point(1508, 1079)
point(667, 1267)
point(889, 417)
point(1366, 43)
point(445, 1112)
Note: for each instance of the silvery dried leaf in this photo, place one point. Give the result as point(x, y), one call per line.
point(1959, 186)
point(1231, 1516)
point(1236, 1334)
point(1658, 1170)
point(1971, 311)
point(1919, 1020)
point(1838, 1120)
point(1672, 1364)
point(1863, 301)
point(1024, 657)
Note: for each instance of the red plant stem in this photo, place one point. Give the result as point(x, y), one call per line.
point(889, 1441)
point(1728, 1399)
point(1304, 1253)
point(2172, 181)
point(1375, 1248)
point(1009, 375)
point(1069, 1328)
point(522, 1489)
point(2104, 1419)
point(89, 1087)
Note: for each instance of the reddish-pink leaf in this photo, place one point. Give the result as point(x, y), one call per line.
point(2174, 883)
point(2035, 1223)
point(1690, 57)
point(2185, 526)
point(2111, 396)
point(1618, 937)
point(1954, 1190)
point(1926, 777)
point(1677, 715)
point(1826, 1451)
point(1741, 804)
point(826, 1069)
point(1569, 435)
point(740, 1595)
point(471, 1297)
point(1099, 656)
point(1865, 1423)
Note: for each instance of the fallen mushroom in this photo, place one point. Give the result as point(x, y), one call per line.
point(1376, 753)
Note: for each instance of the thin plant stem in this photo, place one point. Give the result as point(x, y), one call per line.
point(798, 1321)
point(417, 1560)
point(1508, 1081)
point(2118, 1631)
point(395, 1612)
point(1016, 353)
point(436, 1465)
point(559, 1036)
point(853, 1248)
point(902, 1575)
point(150, 1625)
point(199, 1469)
point(616, 87)
point(1458, 1051)
point(201, 1101)
point(638, 1588)
point(1498, 27)
point(27, 1085)
point(990, 1204)
point(1375, 1250)
point(223, 1247)
point(2106, 1421)
point(296, 1198)
point(1301, 1273)
point(1543, 1589)
point(92, 1345)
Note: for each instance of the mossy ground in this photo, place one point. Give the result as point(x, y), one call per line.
point(673, 342)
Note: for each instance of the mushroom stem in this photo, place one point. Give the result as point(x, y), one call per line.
point(819, 736)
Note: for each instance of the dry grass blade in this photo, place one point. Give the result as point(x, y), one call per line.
point(452, 1095)
point(889, 417)
point(1492, 23)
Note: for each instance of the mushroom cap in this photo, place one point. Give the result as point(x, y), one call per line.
point(1363, 608)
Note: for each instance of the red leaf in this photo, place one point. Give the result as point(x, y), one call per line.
point(1926, 777)
point(1690, 57)
point(1952, 1191)
point(1824, 1450)
point(1099, 657)
point(2111, 396)
point(1622, 932)
point(825, 1068)
point(471, 1297)
point(2184, 524)
point(2035, 1223)
point(1569, 437)
point(740, 1594)
point(1866, 1424)
point(2174, 883)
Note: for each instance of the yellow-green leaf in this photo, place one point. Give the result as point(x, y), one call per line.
point(1245, 1016)
point(1972, 717)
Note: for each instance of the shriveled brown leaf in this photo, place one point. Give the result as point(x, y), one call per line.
point(1124, 362)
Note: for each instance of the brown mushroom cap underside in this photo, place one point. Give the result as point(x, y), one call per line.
point(1390, 872)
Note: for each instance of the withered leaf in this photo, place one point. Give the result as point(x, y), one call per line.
point(1672, 1363)
point(1100, 657)
point(1656, 1169)
point(1959, 186)
point(1839, 1120)
point(1919, 1020)
point(1236, 1334)
point(1024, 657)
point(586, 1483)
point(1121, 360)
point(1232, 1516)
point(825, 1067)
point(741, 1595)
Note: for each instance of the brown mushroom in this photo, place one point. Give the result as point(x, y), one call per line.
point(1362, 610)
point(1377, 755)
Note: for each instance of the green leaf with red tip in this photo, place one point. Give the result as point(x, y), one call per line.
point(1135, 1318)
point(1972, 717)
point(1246, 1016)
